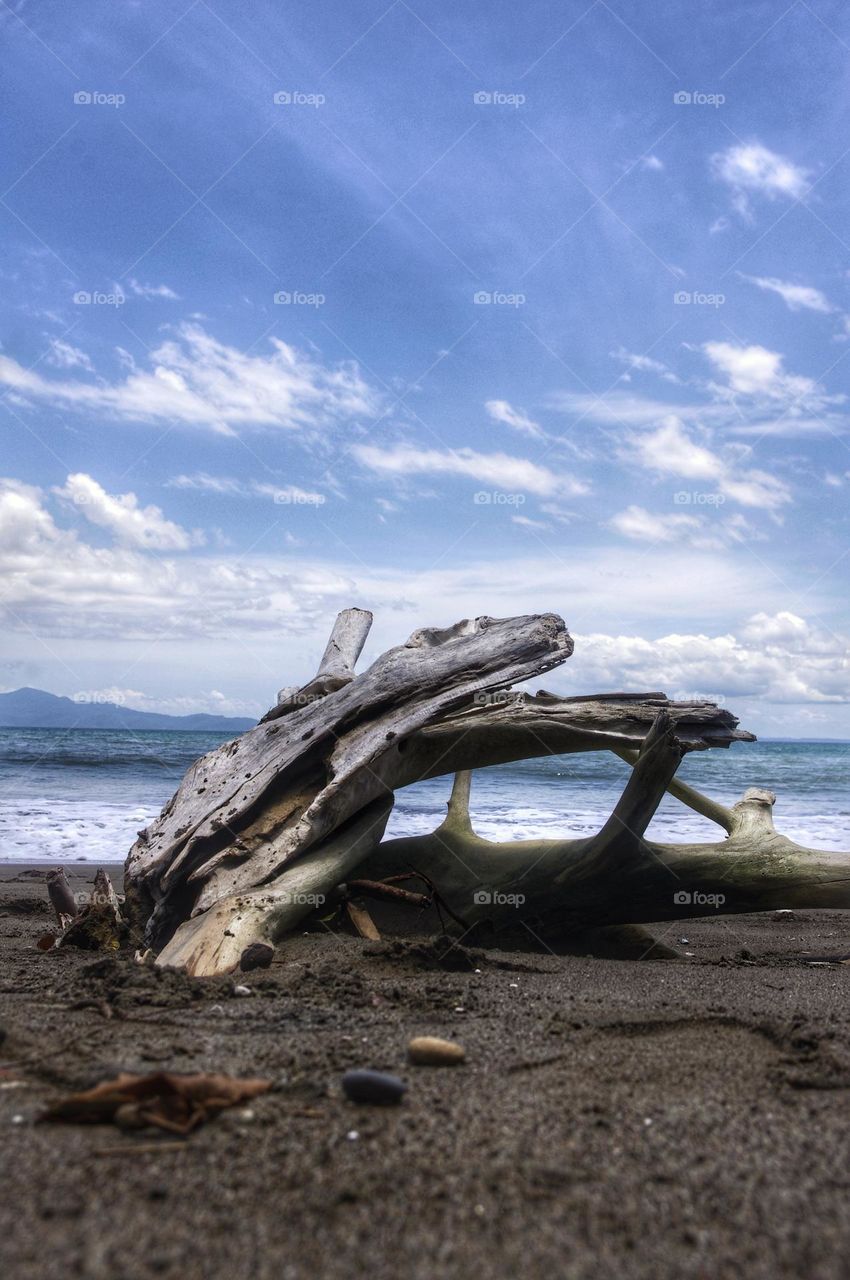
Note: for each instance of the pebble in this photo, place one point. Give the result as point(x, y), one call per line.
point(128, 1116)
point(376, 1087)
point(430, 1051)
point(241, 991)
point(258, 956)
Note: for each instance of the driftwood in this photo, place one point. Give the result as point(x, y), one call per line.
point(263, 830)
point(561, 888)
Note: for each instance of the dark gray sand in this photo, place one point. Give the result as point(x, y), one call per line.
point(684, 1118)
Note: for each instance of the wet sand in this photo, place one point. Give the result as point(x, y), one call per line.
point(661, 1118)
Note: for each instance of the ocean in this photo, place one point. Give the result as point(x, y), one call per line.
point(81, 795)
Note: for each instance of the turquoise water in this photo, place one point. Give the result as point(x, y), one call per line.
point(81, 795)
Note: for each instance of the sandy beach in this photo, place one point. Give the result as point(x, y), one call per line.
point(664, 1118)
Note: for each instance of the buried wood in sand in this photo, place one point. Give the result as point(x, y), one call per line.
point(266, 828)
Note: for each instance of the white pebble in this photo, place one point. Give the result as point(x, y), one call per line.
point(352, 1135)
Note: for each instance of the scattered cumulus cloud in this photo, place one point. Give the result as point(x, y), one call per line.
point(753, 169)
point(62, 355)
point(518, 419)
point(127, 521)
point(671, 450)
point(198, 381)
point(499, 469)
point(797, 297)
point(151, 290)
point(756, 371)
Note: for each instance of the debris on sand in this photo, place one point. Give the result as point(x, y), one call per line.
point(176, 1103)
point(61, 896)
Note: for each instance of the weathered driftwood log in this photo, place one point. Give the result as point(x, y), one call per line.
point(289, 809)
point(558, 888)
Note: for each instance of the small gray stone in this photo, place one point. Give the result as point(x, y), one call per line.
point(375, 1087)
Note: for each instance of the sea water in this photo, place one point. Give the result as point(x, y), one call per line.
point(81, 795)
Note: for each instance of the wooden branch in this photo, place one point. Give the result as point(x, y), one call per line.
point(457, 814)
point(652, 774)
point(336, 669)
point(704, 805)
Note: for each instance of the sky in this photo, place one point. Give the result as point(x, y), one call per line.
point(439, 310)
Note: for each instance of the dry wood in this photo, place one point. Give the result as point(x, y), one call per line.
point(263, 830)
point(362, 921)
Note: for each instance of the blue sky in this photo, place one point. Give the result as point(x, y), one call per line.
point(435, 309)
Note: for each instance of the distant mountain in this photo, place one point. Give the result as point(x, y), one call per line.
point(35, 709)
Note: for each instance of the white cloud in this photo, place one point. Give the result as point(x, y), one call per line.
point(54, 584)
point(638, 523)
point(198, 381)
point(645, 364)
point(206, 701)
point(64, 356)
point(753, 168)
point(626, 408)
point(706, 532)
point(755, 397)
point(230, 487)
point(757, 371)
point(797, 297)
point(525, 522)
point(652, 162)
point(781, 659)
point(669, 450)
point(151, 290)
point(130, 524)
point(518, 419)
point(202, 482)
point(500, 469)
